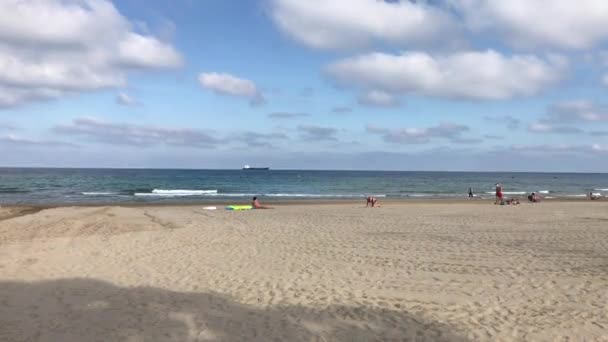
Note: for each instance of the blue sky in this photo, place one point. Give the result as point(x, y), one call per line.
point(336, 84)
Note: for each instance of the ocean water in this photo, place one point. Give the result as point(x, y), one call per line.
point(70, 186)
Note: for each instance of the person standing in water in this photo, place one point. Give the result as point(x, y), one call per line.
point(471, 193)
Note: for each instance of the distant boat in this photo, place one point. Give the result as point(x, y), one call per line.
point(249, 168)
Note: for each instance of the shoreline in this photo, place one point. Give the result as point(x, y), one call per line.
point(282, 203)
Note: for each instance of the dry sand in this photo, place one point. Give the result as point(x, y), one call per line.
point(454, 272)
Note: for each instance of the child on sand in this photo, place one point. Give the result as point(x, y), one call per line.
point(534, 197)
point(255, 204)
point(513, 201)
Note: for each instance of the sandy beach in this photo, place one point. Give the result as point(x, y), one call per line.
point(405, 271)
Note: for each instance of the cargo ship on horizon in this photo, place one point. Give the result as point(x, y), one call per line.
point(249, 168)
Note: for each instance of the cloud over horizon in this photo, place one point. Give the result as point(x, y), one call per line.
point(576, 111)
point(317, 133)
point(450, 131)
point(17, 141)
point(136, 135)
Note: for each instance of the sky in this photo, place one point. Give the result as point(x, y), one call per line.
point(454, 85)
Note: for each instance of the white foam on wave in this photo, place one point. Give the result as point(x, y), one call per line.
point(572, 195)
point(99, 193)
point(321, 195)
point(543, 191)
point(600, 189)
point(176, 193)
point(179, 191)
point(440, 195)
point(230, 195)
point(508, 192)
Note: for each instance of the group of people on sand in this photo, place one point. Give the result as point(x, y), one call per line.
point(533, 197)
point(500, 197)
point(371, 202)
point(595, 196)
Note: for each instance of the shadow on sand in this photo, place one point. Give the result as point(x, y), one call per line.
point(91, 310)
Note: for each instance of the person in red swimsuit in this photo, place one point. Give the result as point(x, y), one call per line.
point(373, 201)
point(498, 194)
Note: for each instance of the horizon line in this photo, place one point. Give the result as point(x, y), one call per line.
point(278, 169)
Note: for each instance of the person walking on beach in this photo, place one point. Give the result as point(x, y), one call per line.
point(498, 194)
point(471, 193)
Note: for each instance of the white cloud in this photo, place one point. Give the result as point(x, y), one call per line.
point(15, 96)
point(4, 126)
point(287, 115)
point(558, 149)
point(257, 139)
point(565, 24)
point(341, 109)
point(317, 133)
point(126, 99)
point(136, 135)
point(576, 111)
point(139, 51)
point(599, 148)
point(329, 24)
point(17, 141)
point(509, 121)
point(378, 99)
point(564, 117)
point(413, 135)
point(469, 74)
point(541, 127)
point(226, 84)
point(52, 48)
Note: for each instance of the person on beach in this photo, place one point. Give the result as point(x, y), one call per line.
point(471, 193)
point(594, 197)
point(373, 201)
point(255, 204)
point(513, 201)
point(534, 197)
point(499, 199)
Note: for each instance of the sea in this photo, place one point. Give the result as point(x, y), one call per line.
point(100, 186)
